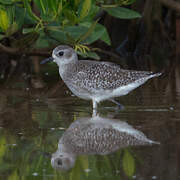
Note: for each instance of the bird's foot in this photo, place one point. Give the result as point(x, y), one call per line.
point(120, 106)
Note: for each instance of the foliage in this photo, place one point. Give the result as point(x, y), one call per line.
point(128, 163)
point(44, 23)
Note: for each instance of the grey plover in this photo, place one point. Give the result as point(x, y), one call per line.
point(95, 135)
point(94, 80)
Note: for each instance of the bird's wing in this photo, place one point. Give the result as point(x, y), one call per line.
point(101, 75)
point(108, 76)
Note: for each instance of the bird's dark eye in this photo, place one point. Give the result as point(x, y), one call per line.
point(60, 53)
point(59, 162)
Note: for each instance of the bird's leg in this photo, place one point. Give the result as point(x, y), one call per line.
point(94, 108)
point(94, 113)
point(117, 103)
point(94, 104)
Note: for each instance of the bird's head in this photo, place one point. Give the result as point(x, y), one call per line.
point(61, 55)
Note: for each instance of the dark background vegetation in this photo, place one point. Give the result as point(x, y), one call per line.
point(137, 34)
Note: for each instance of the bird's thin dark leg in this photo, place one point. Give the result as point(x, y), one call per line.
point(94, 104)
point(120, 106)
point(94, 108)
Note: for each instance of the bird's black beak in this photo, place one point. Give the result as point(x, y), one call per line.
point(47, 60)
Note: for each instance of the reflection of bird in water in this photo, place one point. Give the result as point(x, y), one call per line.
point(95, 135)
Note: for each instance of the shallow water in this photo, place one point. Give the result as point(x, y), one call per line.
point(31, 125)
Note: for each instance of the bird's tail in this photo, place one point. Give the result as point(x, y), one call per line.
point(156, 74)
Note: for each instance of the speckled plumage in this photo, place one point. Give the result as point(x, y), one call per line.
point(87, 139)
point(96, 135)
point(96, 80)
point(97, 76)
point(99, 135)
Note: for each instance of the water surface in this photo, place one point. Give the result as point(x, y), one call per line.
point(32, 123)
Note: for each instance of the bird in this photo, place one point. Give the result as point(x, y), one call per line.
point(96, 80)
point(95, 135)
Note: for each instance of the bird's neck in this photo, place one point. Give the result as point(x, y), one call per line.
point(66, 68)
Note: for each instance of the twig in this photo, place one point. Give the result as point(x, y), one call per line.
point(17, 51)
point(8, 49)
point(109, 53)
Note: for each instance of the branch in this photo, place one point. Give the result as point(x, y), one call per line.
point(17, 51)
point(8, 49)
point(109, 53)
point(171, 4)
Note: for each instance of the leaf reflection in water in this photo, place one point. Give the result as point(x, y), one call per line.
point(95, 135)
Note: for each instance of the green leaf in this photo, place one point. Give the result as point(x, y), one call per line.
point(128, 163)
point(42, 6)
point(53, 5)
point(60, 7)
point(105, 36)
point(19, 16)
point(92, 13)
point(97, 33)
point(6, 2)
point(42, 41)
point(89, 54)
point(38, 6)
point(4, 20)
point(12, 29)
point(90, 30)
point(93, 55)
point(76, 2)
point(11, 13)
point(71, 16)
point(29, 10)
point(56, 33)
point(47, 8)
point(75, 31)
point(122, 13)
point(86, 6)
